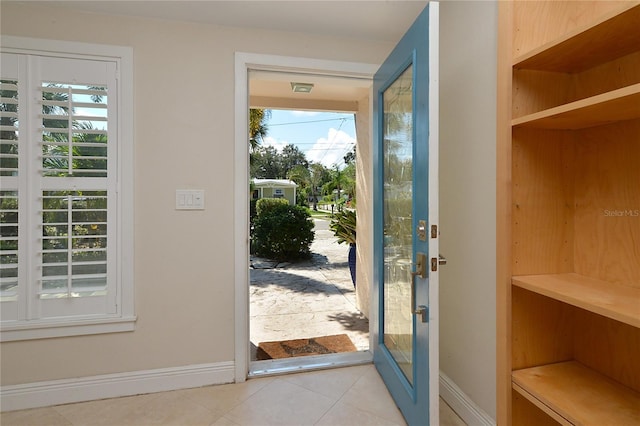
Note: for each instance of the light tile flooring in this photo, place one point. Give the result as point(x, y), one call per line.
point(338, 397)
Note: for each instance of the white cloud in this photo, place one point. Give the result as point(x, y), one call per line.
point(277, 144)
point(332, 149)
point(305, 113)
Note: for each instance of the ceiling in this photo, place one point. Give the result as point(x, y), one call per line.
point(379, 20)
point(274, 90)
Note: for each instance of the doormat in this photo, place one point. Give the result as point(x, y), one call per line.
point(305, 347)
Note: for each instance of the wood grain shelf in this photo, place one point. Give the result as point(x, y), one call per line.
point(618, 302)
point(613, 36)
point(568, 140)
point(618, 105)
point(571, 393)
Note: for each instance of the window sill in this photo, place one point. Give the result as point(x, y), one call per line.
point(32, 330)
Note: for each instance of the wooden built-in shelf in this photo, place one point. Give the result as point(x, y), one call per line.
point(613, 36)
point(618, 302)
point(618, 105)
point(573, 394)
point(568, 117)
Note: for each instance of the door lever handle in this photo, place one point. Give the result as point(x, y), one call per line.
point(421, 266)
point(421, 271)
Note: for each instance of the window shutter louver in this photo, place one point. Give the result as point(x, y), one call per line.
point(77, 187)
point(9, 201)
point(66, 186)
point(74, 130)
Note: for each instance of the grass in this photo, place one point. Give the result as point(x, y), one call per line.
point(321, 214)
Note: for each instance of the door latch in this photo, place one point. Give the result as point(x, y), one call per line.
point(422, 230)
point(437, 261)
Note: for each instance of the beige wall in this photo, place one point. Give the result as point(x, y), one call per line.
point(184, 103)
point(184, 98)
point(468, 41)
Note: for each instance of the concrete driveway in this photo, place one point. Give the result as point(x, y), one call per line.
point(306, 299)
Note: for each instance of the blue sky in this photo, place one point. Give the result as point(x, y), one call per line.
point(324, 137)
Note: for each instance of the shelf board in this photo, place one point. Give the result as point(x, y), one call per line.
point(574, 394)
point(613, 36)
point(618, 105)
point(618, 302)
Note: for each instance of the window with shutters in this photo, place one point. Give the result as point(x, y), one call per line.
point(66, 197)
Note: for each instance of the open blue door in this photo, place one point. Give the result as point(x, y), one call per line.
point(405, 111)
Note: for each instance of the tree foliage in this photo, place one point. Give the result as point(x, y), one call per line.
point(341, 185)
point(258, 128)
point(318, 176)
point(268, 163)
point(350, 157)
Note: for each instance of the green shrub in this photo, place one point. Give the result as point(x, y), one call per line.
point(265, 204)
point(252, 210)
point(283, 232)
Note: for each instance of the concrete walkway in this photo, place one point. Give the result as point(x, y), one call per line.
point(306, 299)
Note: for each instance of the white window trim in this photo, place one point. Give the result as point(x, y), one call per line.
point(125, 321)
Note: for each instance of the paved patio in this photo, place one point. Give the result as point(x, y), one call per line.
point(306, 299)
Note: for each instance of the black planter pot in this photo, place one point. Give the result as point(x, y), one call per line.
point(352, 263)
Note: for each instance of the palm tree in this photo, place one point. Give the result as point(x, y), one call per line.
point(337, 179)
point(349, 182)
point(300, 175)
point(258, 126)
point(317, 176)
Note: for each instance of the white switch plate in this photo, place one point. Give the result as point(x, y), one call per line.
point(189, 199)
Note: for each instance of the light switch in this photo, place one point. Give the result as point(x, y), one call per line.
point(189, 199)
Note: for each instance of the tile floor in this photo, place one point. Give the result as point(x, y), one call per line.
point(338, 397)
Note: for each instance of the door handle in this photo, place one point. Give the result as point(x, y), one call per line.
point(421, 266)
point(421, 271)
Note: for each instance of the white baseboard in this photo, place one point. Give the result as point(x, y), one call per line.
point(65, 391)
point(464, 407)
point(42, 394)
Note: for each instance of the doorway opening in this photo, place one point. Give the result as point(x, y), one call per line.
point(302, 298)
point(272, 89)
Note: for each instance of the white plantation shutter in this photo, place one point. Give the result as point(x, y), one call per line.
point(76, 185)
point(12, 249)
point(59, 201)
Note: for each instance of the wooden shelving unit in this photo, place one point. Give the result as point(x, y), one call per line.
point(609, 36)
point(618, 105)
point(573, 394)
point(618, 302)
point(569, 213)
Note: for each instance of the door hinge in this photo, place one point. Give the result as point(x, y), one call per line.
point(434, 231)
point(423, 313)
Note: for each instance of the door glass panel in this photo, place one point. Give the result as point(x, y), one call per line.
point(397, 133)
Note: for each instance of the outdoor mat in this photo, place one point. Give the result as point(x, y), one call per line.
point(305, 347)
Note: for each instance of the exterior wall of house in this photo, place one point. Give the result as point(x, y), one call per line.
point(274, 192)
point(184, 284)
point(364, 210)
